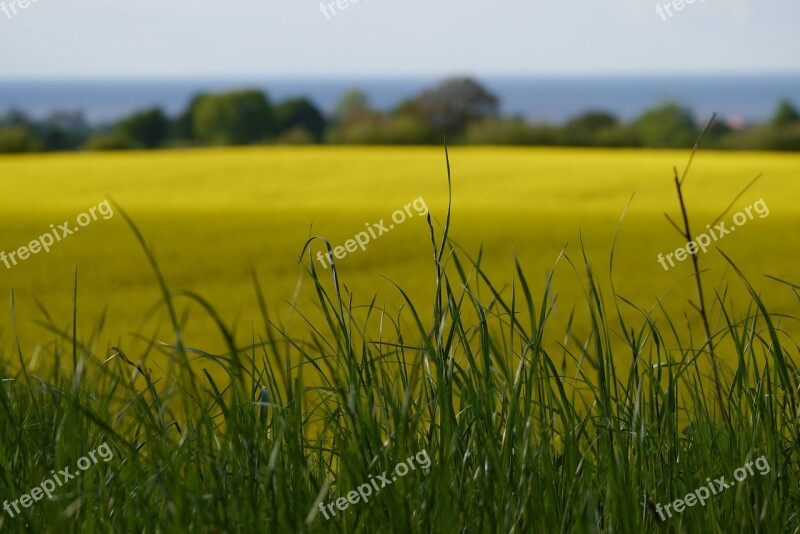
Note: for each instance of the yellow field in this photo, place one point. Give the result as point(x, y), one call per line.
point(215, 216)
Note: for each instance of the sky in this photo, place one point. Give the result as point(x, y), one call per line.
point(391, 38)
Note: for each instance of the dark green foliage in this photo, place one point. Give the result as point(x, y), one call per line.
point(449, 107)
point(183, 126)
point(501, 132)
point(786, 138)
point(351, 104)
point(370, 128)
point(587, 128)
point(147, 128)
point(765, 137)
point(785, 115)
point(300, 113)
point(59, 131)
point(235, 118)
point(667, 126)
point(59, 139)
point(17, 139)
point(296, 136)
point(460, 108)
point(717, 133)
point(112, 140)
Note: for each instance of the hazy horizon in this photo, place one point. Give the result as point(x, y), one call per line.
point(538, 98)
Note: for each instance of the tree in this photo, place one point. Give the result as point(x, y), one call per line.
point(667, 126)
point(17, 139)
point(184, 124)
point(451, 106)
point(351, 104)
point(359, 129)
point(299, 112)
point(148, 128)
point(496, 131)
point(585, 129)
point(111, 140)
point(14, 117)
point(63, 130)
point(235, 118)
point(785, 114)
point(371, 128)
point(296, 136)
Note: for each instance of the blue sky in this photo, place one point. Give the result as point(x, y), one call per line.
point(204, 38)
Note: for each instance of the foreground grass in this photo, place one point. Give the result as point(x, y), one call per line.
point(521, 438)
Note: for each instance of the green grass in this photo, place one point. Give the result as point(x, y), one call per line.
point(522, 438)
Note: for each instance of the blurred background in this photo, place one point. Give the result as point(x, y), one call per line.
point(233, 132)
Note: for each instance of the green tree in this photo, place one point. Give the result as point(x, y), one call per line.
point(18, 139)
point(111, 140)
point(496, 131)
point(299, 112)
point(586, 129)
point(669, 125)
point(371, 128)
point(148, 128)
point(785, 114)
point(296, 136)
point(184, 124)
point(351, 104)
point(14, 117)
point(63, 130)
point(235, 118)
point(449, 107)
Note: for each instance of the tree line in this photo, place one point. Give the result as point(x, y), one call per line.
point(459, 108)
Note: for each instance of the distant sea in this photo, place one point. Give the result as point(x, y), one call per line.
point(551, 99)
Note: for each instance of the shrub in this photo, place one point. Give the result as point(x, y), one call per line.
point(296, 136)
point(236, 118)
point(499, 132)
point(113, 140)
point(18, 139)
